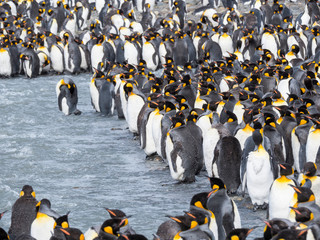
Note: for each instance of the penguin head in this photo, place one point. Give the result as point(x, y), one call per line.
point(178, 120)
point(128, 88)
point(3, 234)
point(303, 214)
point(273, 227)
point(27, 191)
point(303, 194)
point(193, 116)
point(199, 200)
point(257, 137)
point(216, 184)
point(62, 221)
point(111, 227)
point(239, 233)
point(286, 169)
point(185, 222)
point(309, 169)
point(116, 213)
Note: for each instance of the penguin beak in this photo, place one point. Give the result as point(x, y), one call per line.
point(64, 231)
point(296, 210)
point(295, 188)
point(267, 223)
point(283, 167)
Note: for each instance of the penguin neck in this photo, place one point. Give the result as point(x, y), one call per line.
point(41, 215)
point(248, 128)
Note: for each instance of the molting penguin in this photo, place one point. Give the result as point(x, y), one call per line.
point(67, 94)
point(260, 171)
point(23, 212)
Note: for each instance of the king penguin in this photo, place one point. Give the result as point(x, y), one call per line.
point(67, 94)
point(281, 193)
point(224, 208)
point(310, 172)
point(23, 212)
point(42, 227)
point(260, 170)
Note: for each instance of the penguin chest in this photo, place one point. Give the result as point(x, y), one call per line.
point(210, 140)
point(259, 176)
point(162, 53)
point(135, 103)
point(269, 42)
point(156, 132)
point(57, 60)
point(280, 198)
point(130, 53)
point(150, 147)
point(295, 150)
point(69, 65)
point(243, 134)
point(239, 111)
point(148, 54)
point(27, 67)
point(97, 55)
point(90, 234)
point(284, 88)
point(71, 26)
point(54, 26)
point(226, 44)
point(176, 168)
point(204, 123)
point(313, 144)
point(64, 106)
point(42, 227)
point(94, 96)
point(5, 63)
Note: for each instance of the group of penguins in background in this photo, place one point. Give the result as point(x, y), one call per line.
point(234, 93)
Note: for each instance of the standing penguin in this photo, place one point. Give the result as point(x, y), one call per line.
point(260, 169)
point(182, 151)
point(227, 156)
point(224, 208)
point(42, 227)
point(72, 54)
point(150, 54)
point(23, 212)
point(102, 93)
point(281, 193)
point(30, 62)
point(5, 58)
point(313, 142)
point(310, 172)
point(67, 94)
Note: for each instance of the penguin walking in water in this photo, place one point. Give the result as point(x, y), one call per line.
point(43, 225)
point(23, 212)
point(67, 94)
point(260, 169)
point(281, 193)
point(224, 208)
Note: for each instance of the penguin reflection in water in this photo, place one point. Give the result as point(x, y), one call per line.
point(67, 95)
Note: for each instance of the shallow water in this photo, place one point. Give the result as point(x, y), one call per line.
point(84, 163)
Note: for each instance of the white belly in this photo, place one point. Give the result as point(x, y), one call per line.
point(313, 145)
point(135, 103)
point(178, 174)
point(150, 147)
point(5, 64)
point(259, 177)
point(210, 140)
point(147, 53)
point(56, 57)
point(156, 132)
point(130, 53)
point(94, 96)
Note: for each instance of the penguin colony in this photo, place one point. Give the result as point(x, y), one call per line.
point(234, 93)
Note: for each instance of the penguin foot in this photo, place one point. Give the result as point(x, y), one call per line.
point(77, 112)
point(255, 207)
point(264, 206)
